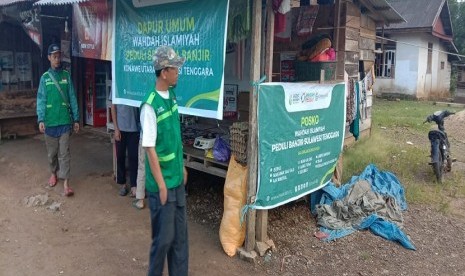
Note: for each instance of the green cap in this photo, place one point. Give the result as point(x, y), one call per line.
point(165, 56)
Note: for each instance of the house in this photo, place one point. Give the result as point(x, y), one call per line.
point(413, 59)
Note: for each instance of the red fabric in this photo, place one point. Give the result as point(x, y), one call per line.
point(327, 55)
point(276, 5)
point(321, 57)
point(279, 23)
point(331, 54)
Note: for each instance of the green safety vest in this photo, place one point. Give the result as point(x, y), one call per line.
point(57, 111)
point(168, 145)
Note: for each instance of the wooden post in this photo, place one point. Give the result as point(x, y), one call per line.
point(261, 227)
point(252, 151)
point(269, 41)
point(337, 41)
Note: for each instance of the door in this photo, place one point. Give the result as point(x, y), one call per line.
point(429, 75)
point(89, 91)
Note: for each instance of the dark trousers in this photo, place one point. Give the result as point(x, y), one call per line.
point(169, 233)
point(130, 142)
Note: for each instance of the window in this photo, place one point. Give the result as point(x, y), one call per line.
point(430, 58)
point(385, 64)
point(442, 65)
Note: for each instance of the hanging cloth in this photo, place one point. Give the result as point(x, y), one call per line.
point(240, 22)
point(281, 8)
point(306, 19)
point(351, 101)
point(284, 36)
point(285, 7)
point(355, 125)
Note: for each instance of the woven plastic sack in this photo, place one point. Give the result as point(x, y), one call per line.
point(232, 233)
point(221, 150)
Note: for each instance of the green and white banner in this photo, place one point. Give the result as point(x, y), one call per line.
point(300, 137)
point(195, 29)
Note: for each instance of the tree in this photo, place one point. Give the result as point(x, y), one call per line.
point(457, 13)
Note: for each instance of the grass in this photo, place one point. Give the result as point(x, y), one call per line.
point(364, 255)
point(399, 144)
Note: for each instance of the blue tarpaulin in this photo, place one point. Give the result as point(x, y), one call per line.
point(385, 184)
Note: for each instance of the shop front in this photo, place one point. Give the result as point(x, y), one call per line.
point(324, 50)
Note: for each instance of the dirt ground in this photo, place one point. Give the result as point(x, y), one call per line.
point(97, 232)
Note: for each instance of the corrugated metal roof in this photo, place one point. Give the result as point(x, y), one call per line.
point(58, 2)
point(418, 13)
point(10, 2)
point(389, 13)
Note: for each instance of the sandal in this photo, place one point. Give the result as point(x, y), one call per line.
point(138, 204)
point(68, 192)
point(123, 191)
point(132, 193)
point(52, 181)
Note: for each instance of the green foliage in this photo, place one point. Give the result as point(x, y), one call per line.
point(365, 256)
point(399, 144)
point(457, 13)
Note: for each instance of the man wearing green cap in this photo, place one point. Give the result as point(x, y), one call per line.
point(165, 171)
point(58, 116)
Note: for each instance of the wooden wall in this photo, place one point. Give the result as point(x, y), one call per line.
point(356, 46)
point(357, 35)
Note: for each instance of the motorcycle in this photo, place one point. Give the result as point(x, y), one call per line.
point(441, 160)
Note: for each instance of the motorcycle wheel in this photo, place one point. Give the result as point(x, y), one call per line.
point(437, 161)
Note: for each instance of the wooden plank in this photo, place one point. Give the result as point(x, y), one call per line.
point(365, 124)
point(18, 115)
point(367, 23)
point(367, 55)
point(337, 25)
point(252, 154)
point(192, 152)
point(352, 57)
point(367, 34)
point(269, 41)
point(351, 45)
point(19, 126)
point(353, 22)
point(340, 66)
point(201, 167)
point(352, 70)
point(261, 228)
point(195, 159)
point(364, 21)
point(367, 43)
point(352, 33)
point(341, 40)
point(352, 10)
point(367, 64)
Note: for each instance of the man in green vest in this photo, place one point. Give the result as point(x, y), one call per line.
point(58, 115)
point(165, 171)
